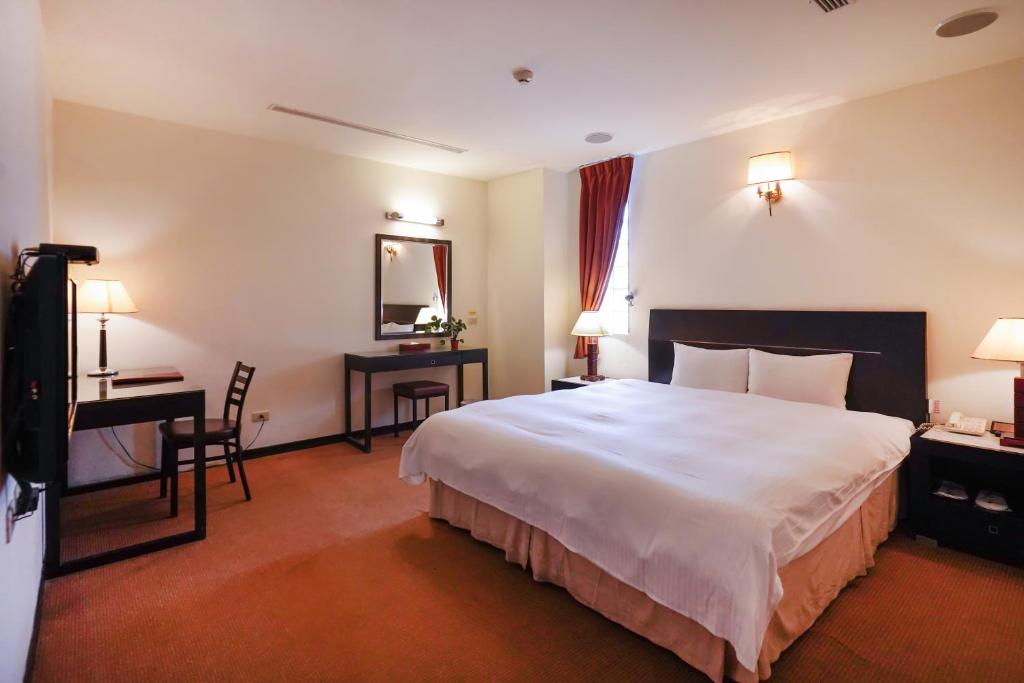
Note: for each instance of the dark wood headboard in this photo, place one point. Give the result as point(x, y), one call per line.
point(888, 374)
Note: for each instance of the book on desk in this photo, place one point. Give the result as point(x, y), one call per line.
point(146, 376)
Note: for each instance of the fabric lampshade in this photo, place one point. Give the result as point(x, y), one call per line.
point(104, 296)
point(769, 168)
point(590, 324)
point(1005, 341)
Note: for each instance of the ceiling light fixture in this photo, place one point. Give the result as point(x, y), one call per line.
point(598, 138)
point(414, 218)
point(366, 129)
point(965, 23)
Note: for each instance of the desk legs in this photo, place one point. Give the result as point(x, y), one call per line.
point(199, 468)
point(348, 400)
point(365, 444)
point(367, 411)
point(52, 564)
point(460, 385)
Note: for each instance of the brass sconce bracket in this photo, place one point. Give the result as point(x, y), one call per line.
point(771, 195)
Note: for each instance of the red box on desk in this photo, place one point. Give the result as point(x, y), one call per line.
point(413, 347)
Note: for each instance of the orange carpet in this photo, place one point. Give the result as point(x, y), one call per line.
point(334, 573)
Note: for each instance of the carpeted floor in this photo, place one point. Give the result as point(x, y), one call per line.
point(334, 573)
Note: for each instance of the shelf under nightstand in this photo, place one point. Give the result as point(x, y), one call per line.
point(974, 463)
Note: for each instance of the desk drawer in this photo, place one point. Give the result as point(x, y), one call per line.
point(411, 361)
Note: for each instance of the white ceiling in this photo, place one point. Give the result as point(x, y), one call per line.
point(653, 72)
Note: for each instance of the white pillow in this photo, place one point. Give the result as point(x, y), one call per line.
point(808, 379)
point(723, 370)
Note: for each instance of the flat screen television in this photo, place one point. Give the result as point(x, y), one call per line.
point(39, 372)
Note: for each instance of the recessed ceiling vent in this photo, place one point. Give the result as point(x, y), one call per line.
point(366, 129)
point(831, 5)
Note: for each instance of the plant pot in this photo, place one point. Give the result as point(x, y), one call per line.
point(455, 344)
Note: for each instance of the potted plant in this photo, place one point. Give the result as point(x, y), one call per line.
point(452, 328)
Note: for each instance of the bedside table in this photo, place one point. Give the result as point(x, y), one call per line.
point(574, 382)
point(977, 463)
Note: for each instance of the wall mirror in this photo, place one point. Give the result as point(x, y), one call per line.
point(414, 282)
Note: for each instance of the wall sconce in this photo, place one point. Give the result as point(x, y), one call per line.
point(391, 249)
point(414, 218)
point(765, 169)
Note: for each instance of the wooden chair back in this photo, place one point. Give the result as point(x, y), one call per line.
point(237, 390)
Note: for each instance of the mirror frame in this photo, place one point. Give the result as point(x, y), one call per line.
point(378, 300)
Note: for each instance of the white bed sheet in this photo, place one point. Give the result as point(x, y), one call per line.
point(695, 497)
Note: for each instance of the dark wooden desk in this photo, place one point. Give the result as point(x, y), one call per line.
point(372, 362)
point(101, 405)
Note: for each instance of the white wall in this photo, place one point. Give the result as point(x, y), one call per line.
point(515, 271)
point(558, 344)
point(24, 222)
point(527, 280)
point(236, 248)
point(909, 200)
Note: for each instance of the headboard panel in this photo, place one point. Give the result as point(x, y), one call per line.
point(888, 374)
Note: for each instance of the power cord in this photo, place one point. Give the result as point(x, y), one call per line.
point(129, 455)
point(258, 432)
point(157, 469)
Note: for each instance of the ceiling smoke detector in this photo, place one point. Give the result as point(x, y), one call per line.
point(966, 23)
point(598, 138)
point(827, 6)
point(522, 75)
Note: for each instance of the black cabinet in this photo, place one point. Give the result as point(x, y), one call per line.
point(962, 524)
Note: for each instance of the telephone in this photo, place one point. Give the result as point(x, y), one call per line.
point(975, 426)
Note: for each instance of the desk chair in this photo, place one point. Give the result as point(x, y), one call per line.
point(226, 432)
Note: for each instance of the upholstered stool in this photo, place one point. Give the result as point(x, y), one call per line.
point(414, 391)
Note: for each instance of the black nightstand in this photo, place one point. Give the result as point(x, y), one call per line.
point(977, 463)
point(573, 383)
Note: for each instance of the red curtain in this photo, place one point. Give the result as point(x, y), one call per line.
point(604, 189)
point(441, 268)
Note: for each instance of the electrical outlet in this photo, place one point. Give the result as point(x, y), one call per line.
point(934, 406)
point(261, 416)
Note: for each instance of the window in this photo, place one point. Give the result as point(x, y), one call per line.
point(615, 307)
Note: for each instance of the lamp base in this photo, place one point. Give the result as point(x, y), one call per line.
point(591, 375)
point(1017, 440)
point(102, 372)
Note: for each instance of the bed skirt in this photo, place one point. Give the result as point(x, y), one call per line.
point(810, 582)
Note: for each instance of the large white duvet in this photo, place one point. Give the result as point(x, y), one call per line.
point(694, 497)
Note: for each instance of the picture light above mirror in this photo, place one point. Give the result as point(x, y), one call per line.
point(423, 219)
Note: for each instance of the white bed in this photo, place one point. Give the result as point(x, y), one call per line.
point(694, 497)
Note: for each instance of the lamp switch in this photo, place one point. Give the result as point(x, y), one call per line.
point(261, 416)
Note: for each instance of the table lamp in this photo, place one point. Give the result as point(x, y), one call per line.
point(104, 296)
point(1005, 341)
point(590, 324)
